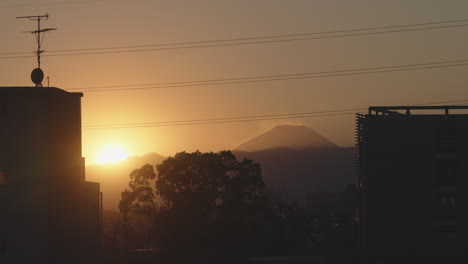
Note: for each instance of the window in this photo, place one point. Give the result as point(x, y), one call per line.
point(448, 239)
point(446, 137)
point(446, 147)
point(446, 172)
point(3, 248)
point(3, 106)
point(447, 226)
point(447, 200)
point(446, 206)
point(3, 178)
point(447, 133)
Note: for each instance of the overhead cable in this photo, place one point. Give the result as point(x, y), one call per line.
point(249, 40)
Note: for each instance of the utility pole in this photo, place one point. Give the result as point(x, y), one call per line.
point(37, 75)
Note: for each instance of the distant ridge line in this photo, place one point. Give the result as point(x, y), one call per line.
point(286, 136)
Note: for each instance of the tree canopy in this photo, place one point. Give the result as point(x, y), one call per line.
point(208, 180)
point(140, 197)
point(208, 200)
point(211, 199)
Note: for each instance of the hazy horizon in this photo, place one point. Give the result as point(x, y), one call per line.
point(253, 145)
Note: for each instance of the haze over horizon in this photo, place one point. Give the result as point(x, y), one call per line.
point(124, 23)
point(293, 159)
point(279, 137)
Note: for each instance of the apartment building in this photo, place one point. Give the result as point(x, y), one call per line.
point(49, 213)
point(412, 175)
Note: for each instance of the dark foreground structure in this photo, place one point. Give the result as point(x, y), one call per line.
point(49, 213)
point(412, 180)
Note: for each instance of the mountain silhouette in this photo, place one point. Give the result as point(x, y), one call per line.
point(287, 136)
point(297, 160)
point(297, 172)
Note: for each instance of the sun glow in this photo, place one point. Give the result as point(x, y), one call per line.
point(111, 154)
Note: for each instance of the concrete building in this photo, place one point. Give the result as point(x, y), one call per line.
point(412, 177)
point(49, 213)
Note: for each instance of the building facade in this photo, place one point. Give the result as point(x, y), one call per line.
point(412, 176)
point(49, 213)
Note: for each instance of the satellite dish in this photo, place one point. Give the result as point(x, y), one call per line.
point(37, 75)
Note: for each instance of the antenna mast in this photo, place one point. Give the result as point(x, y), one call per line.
point(37, 75)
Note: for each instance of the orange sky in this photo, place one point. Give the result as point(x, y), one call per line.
point(125, 23)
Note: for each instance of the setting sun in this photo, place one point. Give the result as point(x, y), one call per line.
point(112, 154)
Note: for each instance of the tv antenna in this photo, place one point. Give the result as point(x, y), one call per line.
point(37, 75)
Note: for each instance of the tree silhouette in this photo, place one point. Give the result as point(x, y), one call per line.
point(208, 180)
point(141, 188)
point(209, 197)
point(125, 207)
point(139, 199)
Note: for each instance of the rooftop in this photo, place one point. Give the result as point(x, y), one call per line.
point(407, 110)
point(33, 90)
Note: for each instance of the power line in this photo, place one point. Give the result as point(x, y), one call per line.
point(216, 121)
point(245, 118)
point(229, 118)
point(56, 3)
point(256, 38)
point(299, 76)
point(217, 81)
point(218, 43)
point(238, 44)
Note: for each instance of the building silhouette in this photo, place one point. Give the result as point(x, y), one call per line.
point(412, 166)
point(49, 213)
